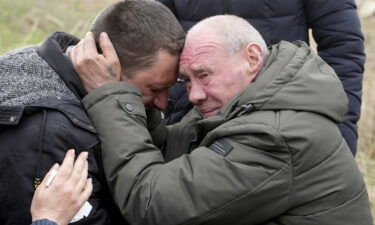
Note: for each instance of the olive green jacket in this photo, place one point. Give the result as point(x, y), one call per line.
point(273, 155)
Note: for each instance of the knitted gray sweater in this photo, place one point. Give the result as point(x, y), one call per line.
point(25, 78)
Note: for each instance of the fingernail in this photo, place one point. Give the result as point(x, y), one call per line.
point(104, 35)
point(72, 151)
point(55, 166)
point(85, 154)
point(88, 34)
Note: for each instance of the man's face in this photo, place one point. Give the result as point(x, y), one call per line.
point(212, 77)
point(155, 81)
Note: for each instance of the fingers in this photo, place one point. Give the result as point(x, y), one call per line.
point(48, 178)
point(66, 166)
point(81, 182)
point(108, 49)
point(67, 192)
point(83, 51)
point(79, 167)
point(85, 194)
point(90, 45)
point(95, 69)
point(109, 53)
point(76, 51)
point(73, 172)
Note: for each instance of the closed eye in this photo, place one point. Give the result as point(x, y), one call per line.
point(204, 78)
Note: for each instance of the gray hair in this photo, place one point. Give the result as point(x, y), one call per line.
point(235, 32)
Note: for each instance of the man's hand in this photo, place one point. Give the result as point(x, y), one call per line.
point(93, 68)
point(59, 198)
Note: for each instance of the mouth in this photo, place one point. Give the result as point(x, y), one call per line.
point(208, 112)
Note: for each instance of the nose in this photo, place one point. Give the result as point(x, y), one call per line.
point(161, 100)
point(196, 94)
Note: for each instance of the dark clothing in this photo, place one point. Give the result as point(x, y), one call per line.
point(178, 103)
point(36, 135)
point(336, 30)
point(43, 222)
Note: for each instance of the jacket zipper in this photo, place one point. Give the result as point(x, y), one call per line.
point(38, 176)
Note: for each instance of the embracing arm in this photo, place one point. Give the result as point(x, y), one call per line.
point(200, 188)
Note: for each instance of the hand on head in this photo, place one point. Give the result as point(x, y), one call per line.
point(93, 68)
point(64, 195)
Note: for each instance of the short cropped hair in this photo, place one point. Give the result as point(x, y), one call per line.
point(138, 29)
point(235, 32)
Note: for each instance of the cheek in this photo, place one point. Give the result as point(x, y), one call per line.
point(237, 79)
point(147, 100)
point(216, 91)
point(146, 95)
point(230, 88)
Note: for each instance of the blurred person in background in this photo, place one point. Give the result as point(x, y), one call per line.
point(335, 27)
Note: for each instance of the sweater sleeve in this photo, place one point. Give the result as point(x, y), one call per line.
point(43, 222)
point(337, 31)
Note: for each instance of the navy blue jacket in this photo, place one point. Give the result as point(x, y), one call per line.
point(36, 136)
point(335, 27)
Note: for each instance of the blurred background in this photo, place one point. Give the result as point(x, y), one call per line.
point(25, 22)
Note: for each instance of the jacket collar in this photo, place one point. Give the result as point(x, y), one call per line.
point(293, 78)
point(52, 51)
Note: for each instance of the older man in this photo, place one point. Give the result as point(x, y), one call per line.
point(340, 45)
point(261, 145)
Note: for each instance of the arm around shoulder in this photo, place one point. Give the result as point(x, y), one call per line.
point(192, 189)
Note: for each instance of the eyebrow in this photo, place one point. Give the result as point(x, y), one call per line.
point(197, 69)
point(202, 69)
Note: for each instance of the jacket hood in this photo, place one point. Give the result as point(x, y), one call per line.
point(293, 78)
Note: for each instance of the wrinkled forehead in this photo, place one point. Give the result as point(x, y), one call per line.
point(200, 48)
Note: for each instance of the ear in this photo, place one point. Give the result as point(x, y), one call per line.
point(255, 58)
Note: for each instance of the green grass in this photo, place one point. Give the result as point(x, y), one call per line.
point(25, 22)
